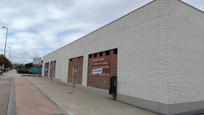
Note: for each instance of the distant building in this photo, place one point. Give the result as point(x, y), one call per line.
point(37, 66)
point(37, 62)
point(156, 52)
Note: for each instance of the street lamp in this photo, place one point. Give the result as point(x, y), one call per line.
point(6, 39)
point(9, 53)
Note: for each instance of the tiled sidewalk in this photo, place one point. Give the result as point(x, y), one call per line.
point(78, 102)
point(29, 101)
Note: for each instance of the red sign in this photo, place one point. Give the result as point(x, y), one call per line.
point(100, 67)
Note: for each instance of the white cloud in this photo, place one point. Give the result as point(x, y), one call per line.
point(38, 27)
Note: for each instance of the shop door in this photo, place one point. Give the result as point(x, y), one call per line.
point(75, 70)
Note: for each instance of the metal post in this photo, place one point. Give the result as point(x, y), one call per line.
point(5, 40)
point(74, 76)
point(9, 53)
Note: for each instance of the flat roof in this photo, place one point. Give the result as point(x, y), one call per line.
point(119, 19)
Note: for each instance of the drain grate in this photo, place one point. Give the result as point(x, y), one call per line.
point(58, 114)
point(70, 92)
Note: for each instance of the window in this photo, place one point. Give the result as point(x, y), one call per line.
point(108, 52)
point(115, 51)
point(101, 54)
point(95, 55)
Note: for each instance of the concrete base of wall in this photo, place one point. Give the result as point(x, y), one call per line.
point(97, 91)
point(190, 108)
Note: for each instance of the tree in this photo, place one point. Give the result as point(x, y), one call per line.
point(4, 61)
point(28, 65)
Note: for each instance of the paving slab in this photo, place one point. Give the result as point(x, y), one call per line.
point(78, 102)
point(29, 101)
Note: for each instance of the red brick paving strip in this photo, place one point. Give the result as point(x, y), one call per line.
point(29, 101)
point(5, 86)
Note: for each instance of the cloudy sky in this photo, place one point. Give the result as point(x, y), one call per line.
point(37, 27)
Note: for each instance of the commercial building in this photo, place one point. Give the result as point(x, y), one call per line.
point(37, 62)
point(37, 66)
point(156, 52)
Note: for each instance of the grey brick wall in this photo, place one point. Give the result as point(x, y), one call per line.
point(160, 52)
point(185, 69)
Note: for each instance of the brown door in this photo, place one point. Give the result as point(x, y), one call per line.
point(52, 69)
point(75, 70)
point(46, 69)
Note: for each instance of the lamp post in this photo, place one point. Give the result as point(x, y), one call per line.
point(9, 56)
point(6, 39)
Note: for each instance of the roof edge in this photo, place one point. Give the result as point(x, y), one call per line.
point(102, 27)
point(191, 6)
point(117, 20)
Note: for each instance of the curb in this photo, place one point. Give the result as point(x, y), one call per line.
point(12, 99)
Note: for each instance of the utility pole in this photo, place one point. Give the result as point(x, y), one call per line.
point(5, 40)
point(9, 56)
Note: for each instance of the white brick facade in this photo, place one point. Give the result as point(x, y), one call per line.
point(160, 52)
point(185, 55)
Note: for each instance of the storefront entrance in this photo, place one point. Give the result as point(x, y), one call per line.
point(52, 69)
point(75, 70)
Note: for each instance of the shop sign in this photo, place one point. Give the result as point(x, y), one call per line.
point(101, 67)
point(97, 71)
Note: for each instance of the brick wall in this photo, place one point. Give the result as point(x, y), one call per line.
point(148, 47)
point(101, 67)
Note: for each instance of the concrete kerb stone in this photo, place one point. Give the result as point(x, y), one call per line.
point(11, 110)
